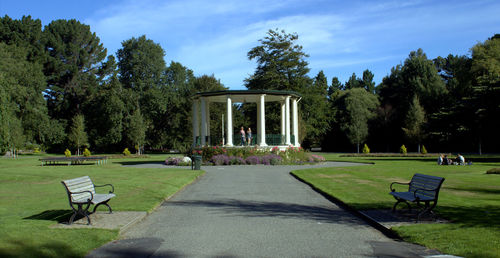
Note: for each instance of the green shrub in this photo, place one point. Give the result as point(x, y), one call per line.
point(67, 153)
point(424, 150)
point(403, 150)
point(493, 171)
point(86, 153)
point(366, 150)
point(126, 152)
point(36, 150)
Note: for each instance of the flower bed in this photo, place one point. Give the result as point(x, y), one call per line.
point(216, 155)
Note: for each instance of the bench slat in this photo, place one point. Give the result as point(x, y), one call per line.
point(77, 180)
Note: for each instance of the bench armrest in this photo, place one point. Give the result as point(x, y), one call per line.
point(112, 187)
point(91, 194)
point(392, 189)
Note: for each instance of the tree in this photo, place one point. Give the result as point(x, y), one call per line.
point(77, 135)
point(25, 33)
point(136, 133)
point(281, 63)
point(367, 81)
point(353, 82)
point(24, 83)
point(335, 87)
point(141, 64)
point(414, 122)
point(316, 111)
point(142, 67)
point(106, 116)
point(354, 109)
point(486, 89)
point(74, 58)
point(417, 77)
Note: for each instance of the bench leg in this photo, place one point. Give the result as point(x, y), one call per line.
point(398, 202)
point(427, 209)
point(80, 211)
point(103, 203)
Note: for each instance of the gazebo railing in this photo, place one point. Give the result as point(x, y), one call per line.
point(271, 139)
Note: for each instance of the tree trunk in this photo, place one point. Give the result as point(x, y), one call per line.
point(357, 146)
point(418, 148)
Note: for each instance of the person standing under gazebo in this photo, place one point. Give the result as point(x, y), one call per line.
point(243, 138)
point(249, 136)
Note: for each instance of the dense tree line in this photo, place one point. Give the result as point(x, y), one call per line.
point(448, 104)
point(60, 89)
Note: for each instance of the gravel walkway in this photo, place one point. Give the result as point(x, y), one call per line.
point(253, 211)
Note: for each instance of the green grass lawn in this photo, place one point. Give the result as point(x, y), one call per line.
point(32, 199)
point(469, 198)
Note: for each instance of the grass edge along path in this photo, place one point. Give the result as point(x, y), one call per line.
point(32, 199)
point(469, 199)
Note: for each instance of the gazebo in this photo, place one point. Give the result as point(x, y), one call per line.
point(289, 116)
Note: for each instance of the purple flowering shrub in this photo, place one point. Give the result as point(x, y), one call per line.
point(252, 160)
point(271, 159)
point(220, 159)
point(233, 160)
point(173, 161)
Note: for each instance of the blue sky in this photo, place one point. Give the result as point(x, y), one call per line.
point(341, 37)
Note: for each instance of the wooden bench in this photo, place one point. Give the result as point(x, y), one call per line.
point(421, 188)
point(81, 192)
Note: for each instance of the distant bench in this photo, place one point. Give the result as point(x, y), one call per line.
point(421, 188)
point(81, 191)
point(73, 160)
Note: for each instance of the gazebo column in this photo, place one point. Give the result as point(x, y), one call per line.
point(283, 130)
point(196, 130)
point(295, 115)
point(262, 120)
point(287, 121)
point(203, 122)
point(207, 108)
point(229, 112)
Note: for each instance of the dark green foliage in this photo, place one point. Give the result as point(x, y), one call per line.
point(136, 130)
point(281, 63)
point(418, 77)
point(414, 122)
point(141, 64)
point(74, 57)
point(316, 112)
point(354, 109)
point(77, 135)
point(25, 33)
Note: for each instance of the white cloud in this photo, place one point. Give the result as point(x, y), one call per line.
point(213, 37)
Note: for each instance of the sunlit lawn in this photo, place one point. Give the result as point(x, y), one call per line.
point(470, 199)
point(32, 199)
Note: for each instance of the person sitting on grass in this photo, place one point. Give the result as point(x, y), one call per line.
point(460, 159)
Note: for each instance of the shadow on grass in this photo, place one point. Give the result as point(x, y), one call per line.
point(66, 164)
point(19, 248)
point(477, 190)
point(472, 216)
point(60, 216)
point(232, 207)
point(467, 216)
point(427, 160)
point(131, 163)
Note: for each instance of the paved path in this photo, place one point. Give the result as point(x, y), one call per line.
point(253, 211)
